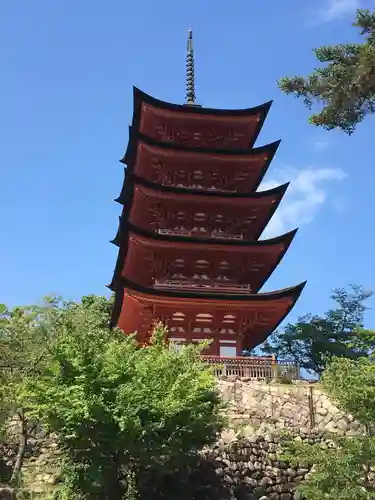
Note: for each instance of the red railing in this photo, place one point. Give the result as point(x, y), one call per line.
point(256, 367)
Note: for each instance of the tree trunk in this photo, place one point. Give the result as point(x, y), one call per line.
point(23, 435)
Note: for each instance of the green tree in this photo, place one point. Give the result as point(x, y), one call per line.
point(364, 340)
point(352, 384)
point(23, 347)
point(123, 414)
point(345, 470)
point(340, 472)
point(314, 339)
point(27, 335)
point(345, 86)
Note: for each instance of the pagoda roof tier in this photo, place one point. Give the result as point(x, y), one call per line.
point(182, 212)
point(170, 262)
point(197, 126)
point(197, 316)
point(171, 165)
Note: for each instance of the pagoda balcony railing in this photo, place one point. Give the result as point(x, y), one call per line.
point(203, 187)
point(197, 232)
point(253, 367)
point(212, 286)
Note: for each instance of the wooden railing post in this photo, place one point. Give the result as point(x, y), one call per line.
point(274, 367)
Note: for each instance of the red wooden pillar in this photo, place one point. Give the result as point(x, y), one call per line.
point(239, 343)
point(215, 346)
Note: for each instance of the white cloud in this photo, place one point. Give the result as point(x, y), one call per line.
point(337, 9)
point(306, 194)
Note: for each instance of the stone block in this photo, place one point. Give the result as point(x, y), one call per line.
point(7, 493)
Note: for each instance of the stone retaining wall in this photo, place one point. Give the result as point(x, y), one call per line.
point(244, 465)
point(251, 470)
point(302, 406)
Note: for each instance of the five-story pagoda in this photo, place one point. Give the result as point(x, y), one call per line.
point(188, 237)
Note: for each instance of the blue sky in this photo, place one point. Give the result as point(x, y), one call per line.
point(67, 71)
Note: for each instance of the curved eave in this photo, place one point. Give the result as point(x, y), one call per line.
point(248, 343)
point(285, 239)
point(136, 136)
point(291, 293)
point(186, 244)
point(121, 237)
point(140, 97)
point(122, 241)
point(131, 179)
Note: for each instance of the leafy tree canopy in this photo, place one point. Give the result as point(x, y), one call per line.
point(123, 413)
point(340, 472)
point(27, 335)
point(352, 384)
point(314, 339)
point(345, 86)
point(345, 470)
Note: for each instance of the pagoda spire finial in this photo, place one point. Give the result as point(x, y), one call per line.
point(190, 77)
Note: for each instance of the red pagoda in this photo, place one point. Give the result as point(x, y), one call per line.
point(188, 237)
